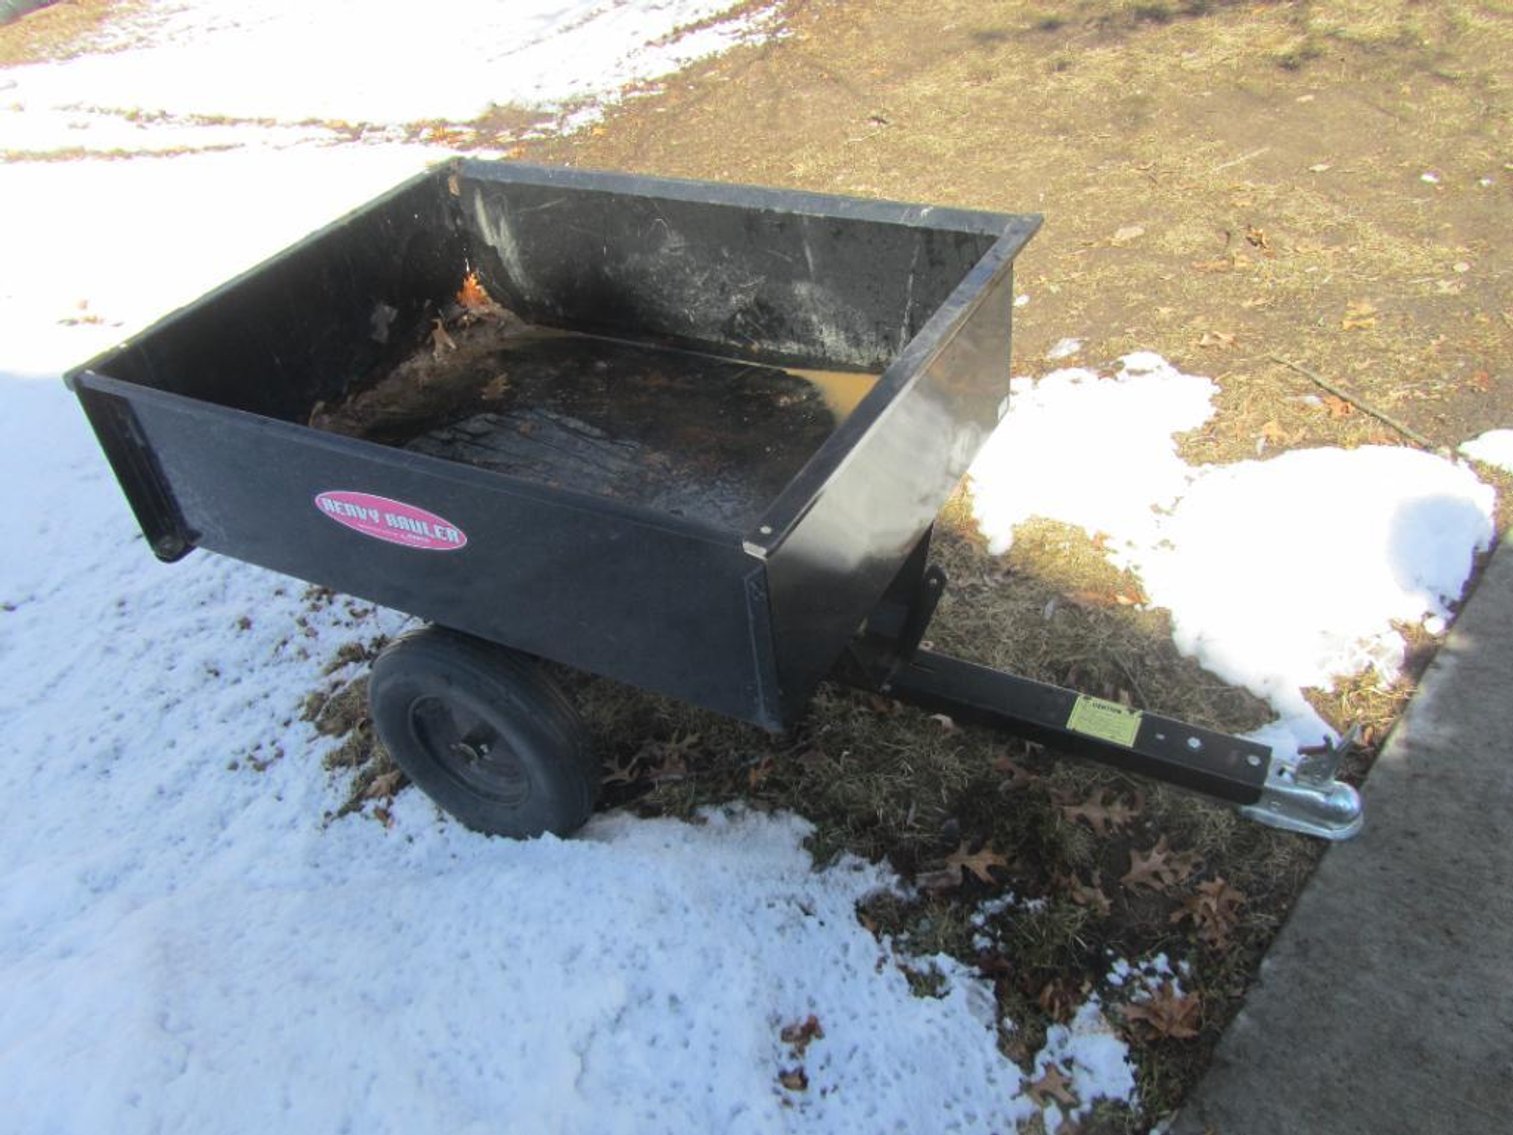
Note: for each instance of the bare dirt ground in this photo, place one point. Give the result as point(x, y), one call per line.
point(1222, 181)
point(1258, 190)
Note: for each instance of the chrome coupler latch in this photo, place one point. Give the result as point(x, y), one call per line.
point(1307, 797)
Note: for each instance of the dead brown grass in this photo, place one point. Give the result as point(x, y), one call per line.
point(63, 30)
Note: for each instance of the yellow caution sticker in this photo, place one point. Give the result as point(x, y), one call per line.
point(1106, 720)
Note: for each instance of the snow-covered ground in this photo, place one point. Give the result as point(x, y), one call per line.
point(187, 945)
point(1280, 574)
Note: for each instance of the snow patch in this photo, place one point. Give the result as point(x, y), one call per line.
point(347, 61)
point(1280, 574)
point(1495, 447)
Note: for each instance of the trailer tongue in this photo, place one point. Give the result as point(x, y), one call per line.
point(708, 445)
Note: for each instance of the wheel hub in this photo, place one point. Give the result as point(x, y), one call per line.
point(470, 750)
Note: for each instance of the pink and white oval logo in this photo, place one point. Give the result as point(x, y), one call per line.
point(392, 521)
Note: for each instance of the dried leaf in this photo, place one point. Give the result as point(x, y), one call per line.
point(1016, 776)
point(474, 297)
point(794, 1079)
point(1100, 600)
point(620, 772)
point(799, 1035)
point(1160, 868)
point(1337, 406)
point(1257, 237)
point(1088, 895)
point(759, 772)
point(441, 342)
point(1052, 1083)
point(496, 388)
point(1127, 233)
point(1058, 998)
point(1214, 910)
point(1358, 316)
point(1103, 813)
point(385, 785)
point(1222, 339)
point(980, 862)
point(1168, 1013)
point(945, 722)
point(1272, 433)
point(1481, 382)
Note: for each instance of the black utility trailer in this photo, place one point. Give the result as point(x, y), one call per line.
point(692, 540)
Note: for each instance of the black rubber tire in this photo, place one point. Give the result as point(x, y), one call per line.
point(483, 733)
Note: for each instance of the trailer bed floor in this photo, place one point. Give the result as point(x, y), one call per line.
point(688, 434)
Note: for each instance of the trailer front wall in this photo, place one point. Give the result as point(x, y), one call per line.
point(660, 607)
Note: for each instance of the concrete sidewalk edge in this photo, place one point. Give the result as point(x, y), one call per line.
point(1386, 1003)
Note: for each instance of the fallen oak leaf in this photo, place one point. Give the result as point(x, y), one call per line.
point(801, 1034)
point(980, 862)
point(1102, 813)
point(1089, 895)
point(385, 785)
point(794, 1079)
point(475, 299)
point(1160, 868)
point(1052, 1083)
point(1167, 1013)
point(1337, 406)
point(1272, 433)
point(1214, 910)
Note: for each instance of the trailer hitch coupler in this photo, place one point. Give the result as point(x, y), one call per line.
point(1308, 798)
